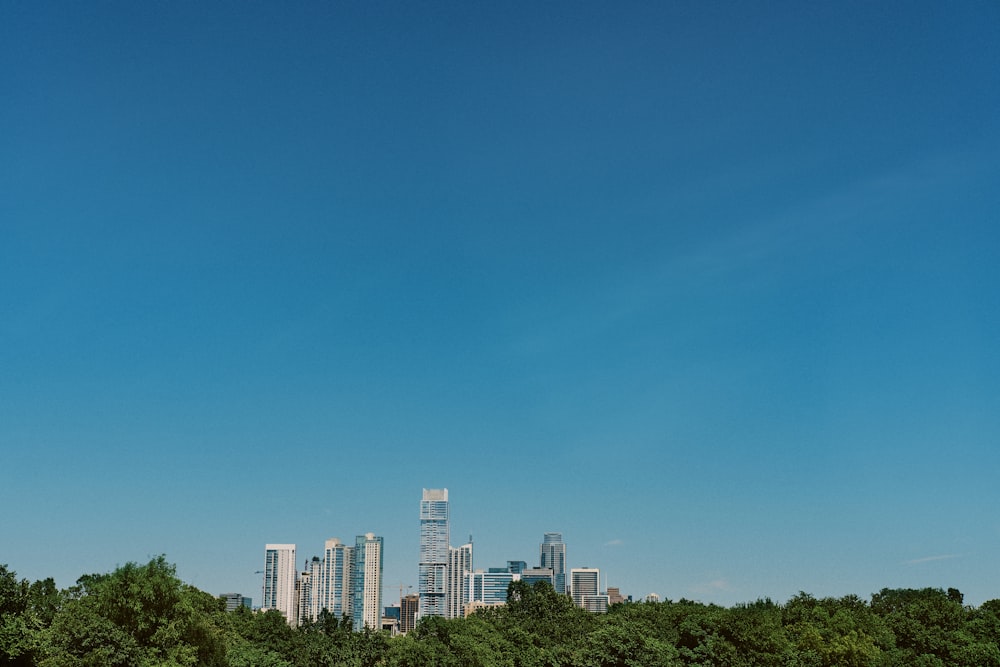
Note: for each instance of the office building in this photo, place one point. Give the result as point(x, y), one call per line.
point(489, 588)
point(279, 580)
point(336, 584)
point(367, 602)
point(596, 604)
point(409, 606)
point(534, 574)
point(459, 564)
point(584, 581)
point(435, 540)
point(236, 600)
point(553, 557)
point(516, 566)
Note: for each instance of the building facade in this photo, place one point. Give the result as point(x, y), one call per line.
point(336, 579)
point(553, 557)
point(488, 588)
point(459, 564)
point(533, 574)
point(584, 582)
point(367, 602)
point(435, 541)
point(279, 581)
point(409, 606)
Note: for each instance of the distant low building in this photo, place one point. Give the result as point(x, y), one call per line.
point(236, 600)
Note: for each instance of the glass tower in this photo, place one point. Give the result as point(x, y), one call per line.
point(279, 580)
point(553, 557)
point(432, 580)
point(367, 602)
point(336, 587)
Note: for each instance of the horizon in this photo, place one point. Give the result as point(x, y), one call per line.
point(710, 289)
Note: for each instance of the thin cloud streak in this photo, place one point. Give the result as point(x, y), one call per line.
point(929, 559)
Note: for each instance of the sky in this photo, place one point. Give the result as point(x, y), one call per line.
point(712, 288)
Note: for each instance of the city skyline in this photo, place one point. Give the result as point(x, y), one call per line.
point(708, 287)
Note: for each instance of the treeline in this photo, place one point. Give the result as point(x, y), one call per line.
point(144, 616)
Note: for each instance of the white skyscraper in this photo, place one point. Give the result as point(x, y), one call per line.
point(459, 565)
point(279, 580)
point(367, 582)
point(336, 585)
point(435, 540)
point(553, 557)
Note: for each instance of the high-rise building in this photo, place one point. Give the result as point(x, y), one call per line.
point(336, 585)
point(435, 541)
point(408, 608)
point(489, 588)
point(367, 602)
point(279, 580)
point(553, 556)
point(459, 564)
point(533, 574)
point(584, 582)
point(309, 591)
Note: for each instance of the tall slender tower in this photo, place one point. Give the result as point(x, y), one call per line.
point(336, 585)
point(367, 601)
point(435, 540)
point(279, 580)
point(459, 565)
point(309, 591)
point(553, 556)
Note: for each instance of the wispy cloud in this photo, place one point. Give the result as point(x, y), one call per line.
point(713, 586)
point(614, 543)
point(928, 559)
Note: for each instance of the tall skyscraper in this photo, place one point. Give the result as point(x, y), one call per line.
point(367, 602)
point(459, 564)
point(553, 557)
point(336, 585)
point(279, 581)
point(435, 540)
point(585, 582)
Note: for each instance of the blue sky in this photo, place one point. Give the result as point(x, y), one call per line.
point(711, 288)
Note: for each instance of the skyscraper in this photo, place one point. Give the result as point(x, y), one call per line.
point(279, 580)
point(367, 602)
point(553, 557)
point(408, 608)
point(336, 586)
point(459, 564)
point(307, 592)
point(585, 582)
point(435, 540)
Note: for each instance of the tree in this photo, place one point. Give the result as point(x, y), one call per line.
point(137, 615)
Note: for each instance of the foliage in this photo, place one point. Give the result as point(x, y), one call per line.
point(144, 616)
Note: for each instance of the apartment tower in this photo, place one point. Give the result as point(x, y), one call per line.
point(367, 602)
point(279, 581)
point(432, 583)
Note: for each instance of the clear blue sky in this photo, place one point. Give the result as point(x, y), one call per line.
point(712, 288)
